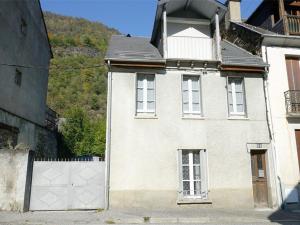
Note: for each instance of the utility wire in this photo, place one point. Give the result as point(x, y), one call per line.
point(23, 66)
point(56, 67)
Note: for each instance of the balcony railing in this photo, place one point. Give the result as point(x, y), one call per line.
point(51, 119)
point(198, 48)
point(293, 24)
point(289, 25)
point(292, 102)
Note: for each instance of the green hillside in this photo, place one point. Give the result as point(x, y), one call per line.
point(77, 82)
point(77, 75)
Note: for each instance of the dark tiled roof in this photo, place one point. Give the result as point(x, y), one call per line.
point(132, 48)
point(137, 48)
point(254, 28)
point(234, 55)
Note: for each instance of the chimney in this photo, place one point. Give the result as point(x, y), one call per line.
point(234, 10)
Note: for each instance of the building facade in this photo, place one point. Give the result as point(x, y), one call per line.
point(24, 64)
point(187, 119)
point(272, 32)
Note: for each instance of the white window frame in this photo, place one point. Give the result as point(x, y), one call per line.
point(234, 104)
point(145, 94)
point(204, 175)
point(190, 93)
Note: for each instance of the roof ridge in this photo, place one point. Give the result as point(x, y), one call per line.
point(124, 35)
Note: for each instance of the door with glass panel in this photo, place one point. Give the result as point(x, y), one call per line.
point(259, 178)
point(194, 174)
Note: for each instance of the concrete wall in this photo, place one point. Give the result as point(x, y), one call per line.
point(284, 129)
point(27, 48)
point(144, 168)
point(13, 172)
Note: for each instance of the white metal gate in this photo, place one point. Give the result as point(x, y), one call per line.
point(66, 185)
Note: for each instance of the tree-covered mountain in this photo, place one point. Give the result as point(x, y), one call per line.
point(77, 74)
point(77, 82)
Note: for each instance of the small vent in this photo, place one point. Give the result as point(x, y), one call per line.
point(18, 77)
point(23, 27)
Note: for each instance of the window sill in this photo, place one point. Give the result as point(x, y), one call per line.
point(145, 116)
point(193, 201)
point(237, 117)
point(192, 117)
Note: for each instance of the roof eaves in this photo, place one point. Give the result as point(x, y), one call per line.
point(246, 65)
point(246, 27)
point(43, 18)
point(136, 60)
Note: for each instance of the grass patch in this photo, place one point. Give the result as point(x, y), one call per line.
point(99, 210)
point(146, 219)
point(109, 222)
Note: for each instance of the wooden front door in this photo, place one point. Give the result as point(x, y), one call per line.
point(297, 134)
point(259, 178)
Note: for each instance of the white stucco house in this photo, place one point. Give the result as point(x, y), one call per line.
point(273, 32)
point(186, 116)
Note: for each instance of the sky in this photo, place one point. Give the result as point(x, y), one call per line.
point(133, 17)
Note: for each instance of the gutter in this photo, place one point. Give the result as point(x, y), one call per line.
point(136, 63)
point(244, 68)
point(135, 60)
point(281, 36)
point(271, 131)
point(108, 136)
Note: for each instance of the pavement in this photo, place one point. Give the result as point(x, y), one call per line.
point(141, 216)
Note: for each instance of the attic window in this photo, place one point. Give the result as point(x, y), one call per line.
point(18, 77)
point(23, 27)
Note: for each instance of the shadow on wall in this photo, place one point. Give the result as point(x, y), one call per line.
point(289, 211)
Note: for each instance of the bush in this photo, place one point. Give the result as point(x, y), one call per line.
point(82, 135)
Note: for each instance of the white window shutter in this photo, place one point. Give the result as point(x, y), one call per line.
point(180, 183)
point(203, 162)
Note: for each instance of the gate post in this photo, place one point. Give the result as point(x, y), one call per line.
point(28, 181)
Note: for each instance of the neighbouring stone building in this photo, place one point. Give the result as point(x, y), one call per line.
point(25, 55)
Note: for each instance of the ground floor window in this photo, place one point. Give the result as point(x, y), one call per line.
point(193, 173)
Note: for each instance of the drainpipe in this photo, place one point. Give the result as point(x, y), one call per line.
point(108, 136)
point(165, 44)
point(218, 43)
point(271, 131)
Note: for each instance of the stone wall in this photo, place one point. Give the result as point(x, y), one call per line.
point(29, 135)
point(13, 173)
point(8, 136)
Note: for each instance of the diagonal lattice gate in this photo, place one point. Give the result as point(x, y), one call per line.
point(67, 185)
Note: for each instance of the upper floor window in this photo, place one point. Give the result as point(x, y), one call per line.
point(145, 93)
point(293, 72)
point(191, 94)
point(236, 96)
